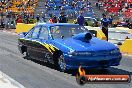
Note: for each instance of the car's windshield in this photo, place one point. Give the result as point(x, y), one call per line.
point(67, 31)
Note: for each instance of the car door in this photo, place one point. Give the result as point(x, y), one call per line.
point(32, 42)
point(44, 41)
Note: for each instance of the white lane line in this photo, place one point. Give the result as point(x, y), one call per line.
point(8, 81)
point(63, 76)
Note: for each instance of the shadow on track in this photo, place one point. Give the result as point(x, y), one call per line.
point(110, 70)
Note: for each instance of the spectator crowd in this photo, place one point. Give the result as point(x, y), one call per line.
point(70, 7)
point(17, 5)
point(121, 8)
point(16, 10)
point(57, 10)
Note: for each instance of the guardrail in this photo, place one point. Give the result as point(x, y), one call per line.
point(126, 47)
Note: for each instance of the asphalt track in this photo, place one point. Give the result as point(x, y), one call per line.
point(35, 74)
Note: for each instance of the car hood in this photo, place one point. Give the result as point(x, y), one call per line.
point(94, 44)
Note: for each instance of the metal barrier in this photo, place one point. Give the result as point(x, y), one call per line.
point(126, 47)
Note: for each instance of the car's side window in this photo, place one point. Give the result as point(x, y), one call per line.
point(43, 33)
point(29, 34)
point(36, 32)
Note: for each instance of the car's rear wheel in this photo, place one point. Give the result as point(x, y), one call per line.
point(61, 64)
point(27, 54)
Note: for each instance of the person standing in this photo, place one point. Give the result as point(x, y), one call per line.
point(96, 4)
point(38, 18)
point(99, 5)
point(80, 19)
point(105, 24)
point(55, 19)
point(51, 20)
point(62, 18)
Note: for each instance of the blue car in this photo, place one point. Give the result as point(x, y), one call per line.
point(68, 46)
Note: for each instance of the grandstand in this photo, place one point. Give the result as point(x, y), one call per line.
point(18, 6)
point(121, 8)
point(43, 8)
point(14, 11)
point(70, 7)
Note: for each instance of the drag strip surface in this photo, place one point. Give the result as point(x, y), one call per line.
point(35, 74)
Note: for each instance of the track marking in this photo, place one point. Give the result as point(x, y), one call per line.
point(8, 81)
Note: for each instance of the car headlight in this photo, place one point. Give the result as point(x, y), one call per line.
point(115, 51)
point(73, 53)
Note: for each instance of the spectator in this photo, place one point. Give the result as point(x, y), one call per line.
point(2, 23)
point(105, 24)
point(99, 5)
point(124, 9)
point(43, 17)
point(80, 19)
point(88, 2)
point(62, 18)
point(51, 20)
point(27, 19)
point(96, 4)
point(37, 18)
point(55, 19)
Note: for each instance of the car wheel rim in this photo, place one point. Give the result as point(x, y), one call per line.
point(50, 60)
point(62, 63)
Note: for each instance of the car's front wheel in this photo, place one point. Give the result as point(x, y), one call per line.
point(61, 63)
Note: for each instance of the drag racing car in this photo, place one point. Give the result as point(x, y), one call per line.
point(68, 46)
